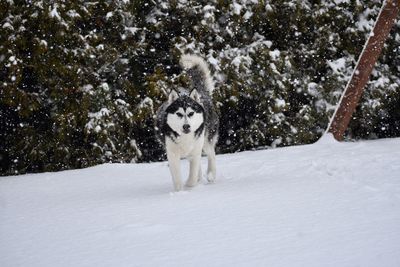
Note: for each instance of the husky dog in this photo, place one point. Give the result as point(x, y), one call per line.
point(188, 124)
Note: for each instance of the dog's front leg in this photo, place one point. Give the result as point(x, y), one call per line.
point(194, 170)
point(174, 167)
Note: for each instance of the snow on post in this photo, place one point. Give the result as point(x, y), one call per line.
point(369, 55)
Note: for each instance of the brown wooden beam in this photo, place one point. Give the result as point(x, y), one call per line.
point(372, 49)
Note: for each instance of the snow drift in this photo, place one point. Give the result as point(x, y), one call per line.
point(327, 204)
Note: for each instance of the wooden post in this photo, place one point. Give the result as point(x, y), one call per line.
point(372, 49)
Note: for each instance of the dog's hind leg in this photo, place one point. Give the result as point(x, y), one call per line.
point(174, 166)
point(200, 176)
point(209, 149)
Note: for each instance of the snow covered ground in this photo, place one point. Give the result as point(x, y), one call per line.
point(326, 204)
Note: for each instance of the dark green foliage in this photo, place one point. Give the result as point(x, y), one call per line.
point(81, 80)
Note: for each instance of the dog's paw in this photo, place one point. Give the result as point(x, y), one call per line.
point(190, 183)
point(178, 187)
point(210, 177)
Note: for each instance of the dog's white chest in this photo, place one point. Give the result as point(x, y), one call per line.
point(185, 145)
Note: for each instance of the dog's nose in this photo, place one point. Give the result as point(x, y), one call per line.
point(186, 128)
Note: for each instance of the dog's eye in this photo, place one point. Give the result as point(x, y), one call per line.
point(180, 115)
point(191, 114)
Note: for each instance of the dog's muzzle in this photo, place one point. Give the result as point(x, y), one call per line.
point(186, 128)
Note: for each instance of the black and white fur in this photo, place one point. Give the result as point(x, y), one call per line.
point(188, 124)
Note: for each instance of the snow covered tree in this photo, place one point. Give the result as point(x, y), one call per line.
point(59, 110)
point(81, 80)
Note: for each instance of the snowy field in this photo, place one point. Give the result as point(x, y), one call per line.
point(326, 204)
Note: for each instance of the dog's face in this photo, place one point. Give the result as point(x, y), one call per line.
point(185, 114)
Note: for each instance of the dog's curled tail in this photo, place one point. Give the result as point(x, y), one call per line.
point(199, 72)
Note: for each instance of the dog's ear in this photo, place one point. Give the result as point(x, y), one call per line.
point(172, 96)
point(195, 96)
